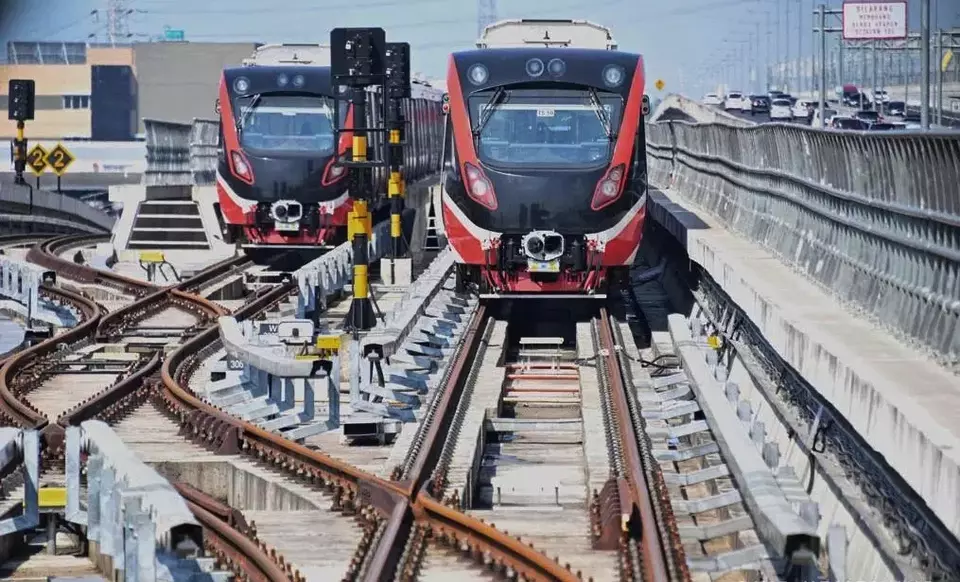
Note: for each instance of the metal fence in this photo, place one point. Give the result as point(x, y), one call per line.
point(873, 217)
point(181, 154)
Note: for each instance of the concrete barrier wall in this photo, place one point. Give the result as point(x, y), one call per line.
point(51, 204)
point(875, 218)
point(697, 111)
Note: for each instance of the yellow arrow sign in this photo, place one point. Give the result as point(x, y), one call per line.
point(659, 84)
point(945, 63)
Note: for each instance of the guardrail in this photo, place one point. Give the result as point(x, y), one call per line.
point(874, 217)
point(695, 110)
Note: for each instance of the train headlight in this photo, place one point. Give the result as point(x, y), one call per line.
point(609, 188)
point(298, 81)
point(241, 85)
point(478, 74)
point(534, 67)
point(479, 188)
point(613, 75)
point(557, 67)
point(240, 166)
point(282, 80)
point(332, 173)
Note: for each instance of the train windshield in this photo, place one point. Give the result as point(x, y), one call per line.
point(549, 128)
point(288, 123)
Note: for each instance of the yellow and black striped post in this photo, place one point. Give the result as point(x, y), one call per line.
point(360, 229)
point(395, 186)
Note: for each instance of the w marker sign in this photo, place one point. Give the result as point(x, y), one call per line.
point(874, 20)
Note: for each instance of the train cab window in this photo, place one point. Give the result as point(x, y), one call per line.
point(289, 123)
point(546, 127)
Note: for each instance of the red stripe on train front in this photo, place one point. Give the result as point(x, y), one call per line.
point(460, 238)
point(620, 250)
point(230, 208)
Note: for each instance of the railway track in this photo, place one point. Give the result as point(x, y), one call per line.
point(635, 512)
point(35, 391)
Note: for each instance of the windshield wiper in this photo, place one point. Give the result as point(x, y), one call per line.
point(246, 111)
point(601, 113)
point(487, 110)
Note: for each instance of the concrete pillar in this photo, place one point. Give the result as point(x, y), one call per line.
point(309, 399)
point(333, 393)
point(31, 476)
point(146, 549)
point(837, 553)
point(353, 352)
point(131, 513)
point(73, 512)
point(107, 485)
point(52, 534)
point(94, 481)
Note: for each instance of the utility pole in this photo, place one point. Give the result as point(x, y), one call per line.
point(821, 29)
point(786, 26)
point(937, 63)
point(766, 56)
point(776, 70)
point(800, 67)
point(823, 66)
point(925, 64)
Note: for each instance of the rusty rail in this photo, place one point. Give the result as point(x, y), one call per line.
point(226, 534)
point(636, 506)
point(350, 486)
point(29, 362)
point(46, 254)
point(179, 295)
point(25, 369)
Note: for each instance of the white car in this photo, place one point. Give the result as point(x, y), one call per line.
point(746, 105)
point(734, 101)
point(712, 99)
point(780, 110)
point(801, 109)
point(880, 96)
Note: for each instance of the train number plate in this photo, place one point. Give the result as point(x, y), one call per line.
point(544, 266)
point(287, 226)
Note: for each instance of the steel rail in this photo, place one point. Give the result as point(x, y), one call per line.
point(46, 254)
point(389, 551)
point(242, 555)
point(227, 434)
point(178, 294)
point(638, 505)
point(117, 398)
point(22, 413)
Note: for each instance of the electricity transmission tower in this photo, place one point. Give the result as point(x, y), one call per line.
point(118, 29)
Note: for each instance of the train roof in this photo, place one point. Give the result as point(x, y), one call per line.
point(547, 33)
point(506, 66)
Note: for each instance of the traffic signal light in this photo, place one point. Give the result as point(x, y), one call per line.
point(20, 99)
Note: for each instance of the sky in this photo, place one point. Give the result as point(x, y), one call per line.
point(682, 40)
